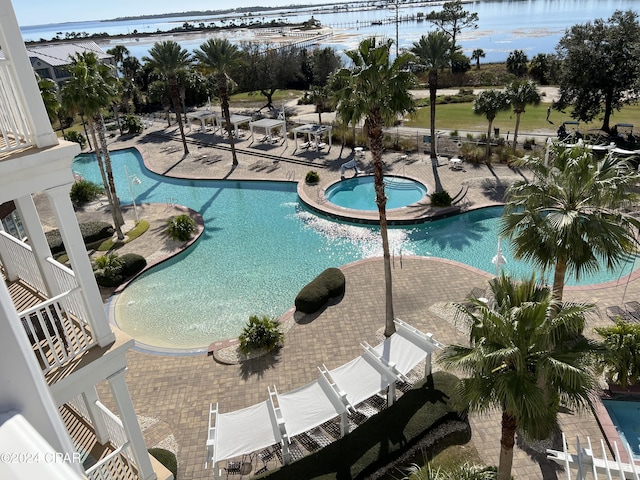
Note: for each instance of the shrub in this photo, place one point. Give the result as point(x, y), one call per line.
point(109, 270)
point(91, 232)
point(84, 191)
point(330, 283)
point(73, 136)
point(312, 177)
point(166, 458)
point(440, 199)
point(181, 227)
point(260, 333)
point(621, 360)
point(131, 124)
point(132, 263)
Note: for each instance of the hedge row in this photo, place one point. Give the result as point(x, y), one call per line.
point(329, 284)
point(91, 232)
point(132, 263)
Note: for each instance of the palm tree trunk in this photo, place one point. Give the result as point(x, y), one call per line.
point(374, 127)
point(224, 103)
point(515, 133)
point(488, 151)
point(175, 99)
point(507, 441)
point(558, 278)
point(111, 186)
point(433, 91)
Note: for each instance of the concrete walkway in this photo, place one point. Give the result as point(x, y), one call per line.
point(172, 393)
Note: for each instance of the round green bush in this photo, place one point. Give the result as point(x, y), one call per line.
point(330, 283)
point(260, 333)
point(166, 458)
point(181, 227)
point(73, 136)
point(84, 191)
point(132, 263)
point(440, 199)
point(312, 177)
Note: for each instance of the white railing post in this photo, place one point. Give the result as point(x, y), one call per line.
point(21, 258)
point(90, 399)
point(6, 259)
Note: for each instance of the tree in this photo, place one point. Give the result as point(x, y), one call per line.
point(378, 90)
point(568, 217)
point(544, 68)
point(526, 355)
point(168, 58)
point(89, 90)
point(324, 61)
point(433, 52)
point(476, 55)
point(489, 103)
point(452, 20)
point(517, 63)
point(119, 53)
point(520, 95)
point(621, 359)
point(600, 67)
point(50, 96)
point(217, 57)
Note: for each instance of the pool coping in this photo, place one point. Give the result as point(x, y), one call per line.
point(608, 428)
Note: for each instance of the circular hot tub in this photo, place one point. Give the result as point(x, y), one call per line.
point(358, 193)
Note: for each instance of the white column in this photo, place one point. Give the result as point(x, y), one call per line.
point(38, 241)
point(90, 397)
point(27, 88)
point(81, 266)
point(130, 423)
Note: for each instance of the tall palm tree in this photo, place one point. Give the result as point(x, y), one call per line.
point(476, 55)
point(489, 103)
point(50, 96)
point(434, 51)
point(119, 53)
point(378, 90)
point(90, 89)
point(526, 356)
point(219, 57)
point(168, 58)
point(520, 95)
point(568, 217)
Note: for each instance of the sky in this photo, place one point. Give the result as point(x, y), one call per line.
point(39, 12)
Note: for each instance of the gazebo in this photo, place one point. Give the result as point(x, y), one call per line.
point(269, 124)
point(312, 130)
point(202, 116)
point(236, 120)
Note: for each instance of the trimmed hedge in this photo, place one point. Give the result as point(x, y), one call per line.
point(132, 263)
point(329, 284)
point(386, 436)
point(166, 458)
point(91, 232)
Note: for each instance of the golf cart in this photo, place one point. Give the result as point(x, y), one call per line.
point(569, 131)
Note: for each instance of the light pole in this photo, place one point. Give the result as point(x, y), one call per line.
point(499, 260)
point(133, 180)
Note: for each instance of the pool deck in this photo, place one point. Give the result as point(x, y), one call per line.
point(176, 390)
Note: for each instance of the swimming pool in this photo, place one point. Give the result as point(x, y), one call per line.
point(260, 247)
point(359, 192)
point(625, 415)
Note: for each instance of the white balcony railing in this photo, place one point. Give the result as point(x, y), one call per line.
point(23, 262)
point(56, 334)
point(112, 466)
point(117, 434)
point(14, 130)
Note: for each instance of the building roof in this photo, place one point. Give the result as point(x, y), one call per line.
point(57, 54)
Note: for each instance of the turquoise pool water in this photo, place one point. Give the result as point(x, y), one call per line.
point(260, 247)
point(625, 415)
point(359, 193)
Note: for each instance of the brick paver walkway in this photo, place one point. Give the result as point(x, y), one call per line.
point(178, 389)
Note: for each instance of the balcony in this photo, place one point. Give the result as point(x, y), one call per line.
point(14, 130)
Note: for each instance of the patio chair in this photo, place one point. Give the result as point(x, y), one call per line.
point(614, 312)
point(633, 309)
point(233, 468)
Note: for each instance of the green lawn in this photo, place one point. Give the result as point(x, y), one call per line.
point(460, 116)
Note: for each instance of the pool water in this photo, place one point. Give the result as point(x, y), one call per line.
point(359, 192)
point(625, 415)
point(260, 247)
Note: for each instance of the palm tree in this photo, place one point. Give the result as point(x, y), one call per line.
point(119, 53)
point(569, 217)
point(89, 90)
point(476, 55)
point(218, 57)
point(526, 356)
point(520, 95)
point(50, 96)
point(489, 103)
point(621, 359)
point(168, 58)
point(434, 52)
point(378, 90)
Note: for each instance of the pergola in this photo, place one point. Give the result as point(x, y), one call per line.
point(312, 130)
point(269, 124)
point(236, 120)
point(202, 116)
